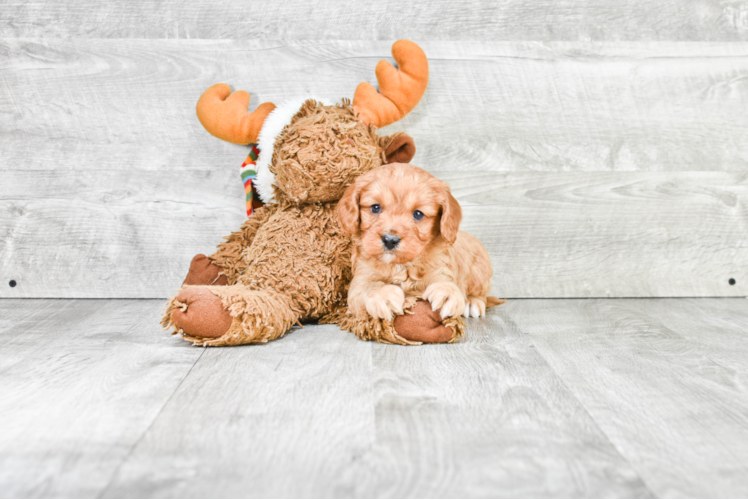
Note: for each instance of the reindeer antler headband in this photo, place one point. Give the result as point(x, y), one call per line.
point(224, 114)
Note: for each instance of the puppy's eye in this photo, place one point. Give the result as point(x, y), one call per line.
point(418, 215)
point(375, 209)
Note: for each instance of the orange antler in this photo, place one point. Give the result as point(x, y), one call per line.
point(399, 91)
point(224, 114)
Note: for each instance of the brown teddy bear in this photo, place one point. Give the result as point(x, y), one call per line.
point(290, 262)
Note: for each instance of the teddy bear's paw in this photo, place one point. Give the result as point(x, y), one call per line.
point(446, 297)
point(423, 324)
point(201, 313)
point(385, 301)
point(204, 272)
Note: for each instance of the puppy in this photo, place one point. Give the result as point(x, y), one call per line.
point(404, 223)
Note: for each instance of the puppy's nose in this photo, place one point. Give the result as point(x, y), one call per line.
point(390, 241)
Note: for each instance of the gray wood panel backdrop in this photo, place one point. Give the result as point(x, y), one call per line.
point(598, 148)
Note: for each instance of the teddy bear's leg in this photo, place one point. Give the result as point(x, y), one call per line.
point(419, 325)
point(229, 315)
point(226, 264)
point(422, 324)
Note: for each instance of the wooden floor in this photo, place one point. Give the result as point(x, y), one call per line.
point(598, 149)
point(595, 397)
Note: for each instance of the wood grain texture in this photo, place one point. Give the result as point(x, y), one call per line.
point(121, 234)
point(114, 104)
point(609, 234)
point(543, 398)
point(316, 414)
point(436, 20)
point(110, 185)
point(80, 382)
point(132, 234)
point(665, 380)
point(469, 420)
point(284, 419)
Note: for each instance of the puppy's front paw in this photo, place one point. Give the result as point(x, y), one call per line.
point(447, 297)
point(385, 301)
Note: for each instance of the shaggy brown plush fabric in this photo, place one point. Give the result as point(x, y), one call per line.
point(229, 254)
point(290, 262)
point(253, 316)
point(302, 253)
point(321, 152)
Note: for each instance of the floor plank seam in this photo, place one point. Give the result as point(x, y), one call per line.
point(148, 429)
point(584, 408)
point(706, 356)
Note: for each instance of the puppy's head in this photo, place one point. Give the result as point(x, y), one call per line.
point(397, 211)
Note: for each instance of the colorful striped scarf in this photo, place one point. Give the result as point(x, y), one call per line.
point(248, 175)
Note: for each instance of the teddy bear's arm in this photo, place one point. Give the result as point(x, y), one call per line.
point(229, 253)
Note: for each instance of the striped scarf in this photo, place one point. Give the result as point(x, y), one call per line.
point(248, 175)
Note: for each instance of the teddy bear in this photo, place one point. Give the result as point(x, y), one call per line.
point(290, 262)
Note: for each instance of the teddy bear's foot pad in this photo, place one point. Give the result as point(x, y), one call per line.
point(423, 325)
point(204, 272)
point(200, 313)
point(229, 315)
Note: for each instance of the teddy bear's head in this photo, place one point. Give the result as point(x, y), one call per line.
point(323, 150)
point(310, 151)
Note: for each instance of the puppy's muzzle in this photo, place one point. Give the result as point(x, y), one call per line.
point(390, 241)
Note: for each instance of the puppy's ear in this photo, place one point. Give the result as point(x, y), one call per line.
point(451, 215)
point(398, 148)
point(348, 212)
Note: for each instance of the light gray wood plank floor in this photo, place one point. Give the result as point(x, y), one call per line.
point(596, 397)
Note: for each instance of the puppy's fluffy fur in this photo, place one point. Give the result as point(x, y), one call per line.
point(433, 259)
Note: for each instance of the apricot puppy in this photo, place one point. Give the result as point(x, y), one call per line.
point(405, 226)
